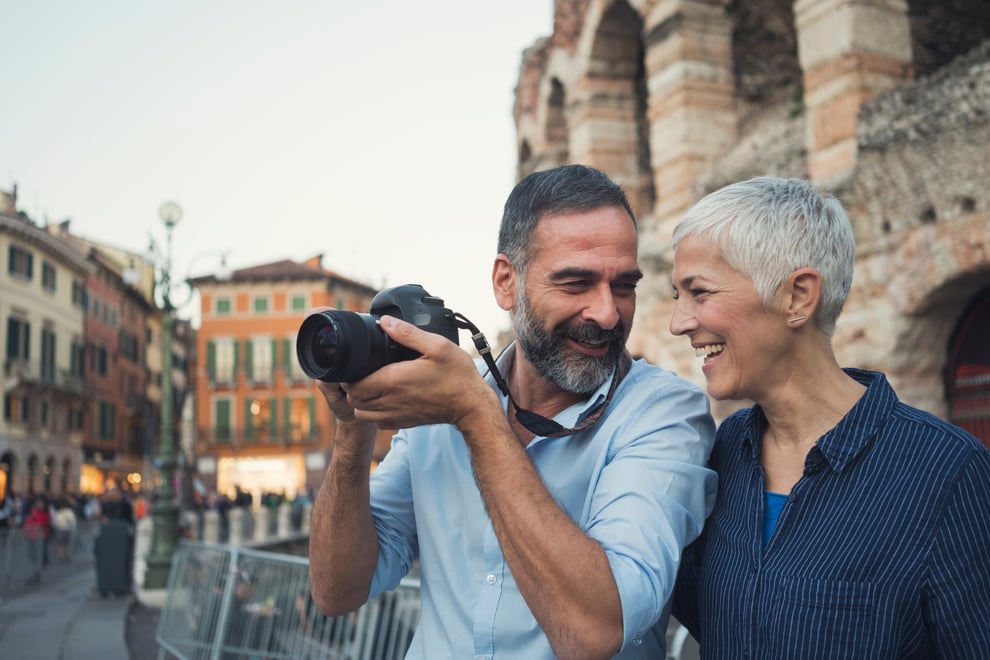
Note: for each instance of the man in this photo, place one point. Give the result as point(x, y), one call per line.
point(531, 544)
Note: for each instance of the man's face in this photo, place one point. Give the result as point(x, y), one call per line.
point(573, 312)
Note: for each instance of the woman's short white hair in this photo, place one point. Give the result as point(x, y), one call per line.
point(768, 227)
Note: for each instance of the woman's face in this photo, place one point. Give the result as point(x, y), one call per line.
point(718, 309)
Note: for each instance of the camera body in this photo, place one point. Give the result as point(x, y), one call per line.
point(341, 347)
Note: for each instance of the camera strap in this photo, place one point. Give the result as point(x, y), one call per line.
point(531, 421)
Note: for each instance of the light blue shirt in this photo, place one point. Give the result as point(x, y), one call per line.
point(636, 482)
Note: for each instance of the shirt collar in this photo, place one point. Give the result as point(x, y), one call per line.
point(847, 439)
point(570, 416)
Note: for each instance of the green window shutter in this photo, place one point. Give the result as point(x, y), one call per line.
point(287, 356)
point(211, 363)
point(312, 416)
point(273, 418)
point(248, 430)
point(223, 420)
point(237, 357)
point(273, 356)
point(249, 359)
point(27, 340)
point(287, 417)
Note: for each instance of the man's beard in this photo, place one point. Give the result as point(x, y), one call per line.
point(568, 369)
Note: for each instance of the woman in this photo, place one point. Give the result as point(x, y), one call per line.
point(848, 524)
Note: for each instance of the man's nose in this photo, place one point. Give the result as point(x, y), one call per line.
point(602, 308)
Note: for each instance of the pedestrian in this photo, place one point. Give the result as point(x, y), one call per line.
point(548, 515)
point(64, 523)
point(848, 524)
point(37, 529)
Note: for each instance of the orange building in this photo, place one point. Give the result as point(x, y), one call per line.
point(261, 425)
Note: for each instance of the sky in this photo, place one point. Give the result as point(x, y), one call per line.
point(378, 133)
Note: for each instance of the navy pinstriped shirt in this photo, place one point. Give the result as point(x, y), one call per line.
point(881, 551)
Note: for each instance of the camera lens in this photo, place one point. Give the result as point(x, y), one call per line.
point(325, 346)
point(339, 346)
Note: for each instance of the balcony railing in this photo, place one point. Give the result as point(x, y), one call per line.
point(36, 374)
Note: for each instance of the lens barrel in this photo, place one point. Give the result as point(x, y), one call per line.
point(341, 347)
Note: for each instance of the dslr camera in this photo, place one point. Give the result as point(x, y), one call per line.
point(342, 347)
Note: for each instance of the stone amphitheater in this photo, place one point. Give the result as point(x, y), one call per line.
point(885, 103)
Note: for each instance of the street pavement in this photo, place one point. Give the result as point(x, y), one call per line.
point(64, 618)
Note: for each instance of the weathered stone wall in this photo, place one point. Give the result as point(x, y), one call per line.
point(817, 89)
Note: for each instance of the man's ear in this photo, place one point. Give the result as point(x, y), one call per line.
point(505, 280)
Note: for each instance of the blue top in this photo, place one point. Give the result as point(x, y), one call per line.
point(883, 550)
point(774, 503)
point(636, 482)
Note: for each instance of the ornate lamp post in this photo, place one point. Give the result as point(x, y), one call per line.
point(165, 511)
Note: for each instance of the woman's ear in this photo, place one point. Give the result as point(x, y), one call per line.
point(803, 290)
point(505, 280)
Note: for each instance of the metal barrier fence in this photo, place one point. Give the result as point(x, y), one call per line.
point(25, 562)
point(227, 602)
point(230, 602)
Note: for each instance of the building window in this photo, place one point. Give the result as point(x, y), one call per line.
point(221, 360)
point(47, 355)
point(298, 303)
point(76, 357)
point(47, 276)
point(260, 420)
point(98, 360)
point(18, 339)
point(16, 409)
point(106, 420)
point(79, 294)
point(223, 306)
point(221, 420)
point(261, 305)
point(20, 262)
point(129, 346)
point(74, 419)
point(300, 419)
point(259, 360)
point(293, 371)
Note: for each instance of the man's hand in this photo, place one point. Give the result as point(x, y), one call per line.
point(441, 387)
point(336, 398)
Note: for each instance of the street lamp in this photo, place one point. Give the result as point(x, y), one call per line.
point(165, 511)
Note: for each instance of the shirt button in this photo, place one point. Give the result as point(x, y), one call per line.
point(491, 579)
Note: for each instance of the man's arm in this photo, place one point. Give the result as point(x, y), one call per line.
point(343, 544)
point(562, 573)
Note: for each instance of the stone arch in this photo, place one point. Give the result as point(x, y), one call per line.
point(606, 106)
point(765, 62)
point(65, 475)
point(967, 374)
point(31, 475)
point(8, 470)
point(555, 123)
point(918, 364)
point(48, 474)
point(941, 31)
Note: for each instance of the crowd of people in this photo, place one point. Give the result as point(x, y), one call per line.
point(49, 524)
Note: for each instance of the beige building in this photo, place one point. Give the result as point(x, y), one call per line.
point(42, 306)
point(885, 103)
